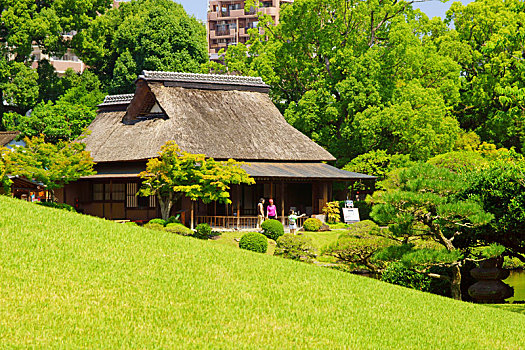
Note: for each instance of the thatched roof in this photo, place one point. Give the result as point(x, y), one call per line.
point(220, 116)
point(7, 136)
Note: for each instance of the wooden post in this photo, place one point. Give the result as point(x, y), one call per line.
point(191, 225)
point(282, 203)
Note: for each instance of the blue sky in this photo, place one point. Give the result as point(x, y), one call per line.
point(432, 8)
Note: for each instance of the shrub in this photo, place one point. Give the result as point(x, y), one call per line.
point(295, 247)
point(312, 225)
point(131, 223)
point(158, 221)
point(272, 229)
point(397, 273)
point(174, 220)
point(364, 209)
point(202, 231)
point(332, 212)
point(254, 241)
point(154, 226)
point(363, 228)
point(62, 206)
point(179, 229)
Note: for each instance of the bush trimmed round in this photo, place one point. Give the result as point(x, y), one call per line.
point(158, 221)
point(255, 242)
point(179, 229)
point(62, 206)
point(273, 229)
point(312, 225)
point(202, 231)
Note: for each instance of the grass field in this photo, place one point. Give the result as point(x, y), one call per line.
point(72, 281)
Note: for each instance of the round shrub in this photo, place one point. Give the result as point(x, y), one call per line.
point(312, 225)
point(295, 247)
point(254, 241)
point(154, 226)
point(158, 221)
point(179, 229)
point(272, 229)
point(202, 231)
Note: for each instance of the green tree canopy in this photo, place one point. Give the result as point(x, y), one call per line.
point(65, 119)
point(141, 35)
point(489, 38)
point(54, 165)
point(26, 23)
point(357, 75)
point(176, 173)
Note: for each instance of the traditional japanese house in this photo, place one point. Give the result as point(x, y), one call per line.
point(220, 116)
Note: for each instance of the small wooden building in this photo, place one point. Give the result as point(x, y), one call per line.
point(220, 116)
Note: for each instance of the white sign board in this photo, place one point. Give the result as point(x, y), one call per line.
point(351, 214)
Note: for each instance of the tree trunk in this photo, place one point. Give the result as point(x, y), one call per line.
point(165, 203)
point(455, 283)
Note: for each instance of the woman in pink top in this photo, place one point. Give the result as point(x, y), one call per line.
point(271, 210)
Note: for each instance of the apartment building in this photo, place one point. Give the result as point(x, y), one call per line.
point(229, 22)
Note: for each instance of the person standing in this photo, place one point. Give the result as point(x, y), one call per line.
point(292, 221)
point(271, 210)
point(260, 212)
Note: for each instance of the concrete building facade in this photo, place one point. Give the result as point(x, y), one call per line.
point(229, 22)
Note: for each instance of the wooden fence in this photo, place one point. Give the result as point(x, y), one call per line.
point(234, 222)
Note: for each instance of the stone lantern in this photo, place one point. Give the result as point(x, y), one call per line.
point(490, 289)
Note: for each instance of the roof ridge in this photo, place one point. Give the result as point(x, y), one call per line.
point(117, 99)
point(203, 78)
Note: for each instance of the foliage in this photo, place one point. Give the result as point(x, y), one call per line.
point(488, 41)
point(332, 212)
point(397, 273)
point(41, 23)
point(364, 209)
point(312, 225)
point(84, 256)
point(54, 165)
point(459, 161)
point(365, 74)
point(363, 228)
point(154, 226)
point(493, 251)
point(179, 229)
point(295, 247)
point(68, 116)
point(141, 35)
point(158, 221)
point(501, 190)
point(5, 182)
point(175, 173)
point(174, 219)
point(377, 163)
point(254, 241)
point(358, 249)
point(426, 202)
point(202, 231)
point(273, 229)
point(62, 206)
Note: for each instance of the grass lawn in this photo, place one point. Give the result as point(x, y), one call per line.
point(519, 308)
point(73, 281)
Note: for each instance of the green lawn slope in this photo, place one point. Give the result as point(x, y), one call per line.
point(72, 281)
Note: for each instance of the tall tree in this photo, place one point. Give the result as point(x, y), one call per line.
point(355, 75)
point(490, 41)
point(142, 35)
point(176, 173)
point(26, 23)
